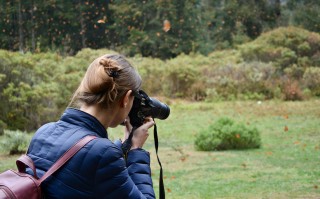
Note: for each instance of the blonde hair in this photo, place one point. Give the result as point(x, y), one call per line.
point(106, 80)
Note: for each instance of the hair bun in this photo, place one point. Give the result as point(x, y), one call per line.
point(110, 67)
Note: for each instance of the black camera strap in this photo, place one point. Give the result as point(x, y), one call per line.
point(126, 147)
point(161, 185)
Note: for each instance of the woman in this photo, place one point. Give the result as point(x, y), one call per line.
point(99, 170)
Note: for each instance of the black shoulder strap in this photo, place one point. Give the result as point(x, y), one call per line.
point(161, 184)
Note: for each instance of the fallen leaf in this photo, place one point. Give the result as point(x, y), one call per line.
point(269, 153)
point(286, 128)
point(168, 190)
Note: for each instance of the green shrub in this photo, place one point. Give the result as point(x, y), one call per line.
point(254, 80)
point(311, 79)
point(180, 75)
point(14, 142)
point(291, 91)
point(226, 134)
point(284, 47)
point(2, 127)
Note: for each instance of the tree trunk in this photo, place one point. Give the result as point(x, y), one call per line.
point(20, 27)
point(83, 27)
point(33, 42)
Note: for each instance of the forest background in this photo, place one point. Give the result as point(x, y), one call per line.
point(196, 49)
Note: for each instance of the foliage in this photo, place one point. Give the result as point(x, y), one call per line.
point(2, 127)
point(139, 27)
point(37, 87)
point(226, 134)
point(311, 80)
point(15, 142)
point(241, 81)
point(285, 47)
point(305, 13)
point(292, 90)
point(28, 89)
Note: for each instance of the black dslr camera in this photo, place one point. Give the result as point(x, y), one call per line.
point(144, 106)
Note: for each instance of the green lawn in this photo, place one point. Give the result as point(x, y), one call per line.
point(286, 166)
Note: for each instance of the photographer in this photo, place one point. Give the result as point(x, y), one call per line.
point(100, 169)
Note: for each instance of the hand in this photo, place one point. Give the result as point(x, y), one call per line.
point(140, 135)
point(127, 129)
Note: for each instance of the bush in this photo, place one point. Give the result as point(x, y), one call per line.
point(14, 142)
point(2, 127)
point(292, 91)
point(284, 47)
point(312, 80)
point(242, 81)
point(226, 134)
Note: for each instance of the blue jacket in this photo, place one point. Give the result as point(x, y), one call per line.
point(98, 170)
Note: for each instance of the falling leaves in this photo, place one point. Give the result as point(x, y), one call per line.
point(166, 25)
point(101, 21)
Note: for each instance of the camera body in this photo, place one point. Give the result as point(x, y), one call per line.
point(145, 106)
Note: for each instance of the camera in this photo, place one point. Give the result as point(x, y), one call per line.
point(144, 106)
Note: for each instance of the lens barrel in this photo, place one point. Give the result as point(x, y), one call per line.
point(159, 110)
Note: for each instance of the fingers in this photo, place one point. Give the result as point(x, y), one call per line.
point(148, 122)
point(127, 129)
point(127, 124)
point(141, 134)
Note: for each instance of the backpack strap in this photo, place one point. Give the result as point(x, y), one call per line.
point(66, 156)
point(25, 161)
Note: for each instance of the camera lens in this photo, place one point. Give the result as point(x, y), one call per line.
point(159, 109)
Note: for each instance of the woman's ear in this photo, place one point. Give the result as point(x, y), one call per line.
point(126, 99)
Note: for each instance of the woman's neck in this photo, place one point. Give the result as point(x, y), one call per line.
point(105, 116)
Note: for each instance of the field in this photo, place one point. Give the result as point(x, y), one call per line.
point(286, 166)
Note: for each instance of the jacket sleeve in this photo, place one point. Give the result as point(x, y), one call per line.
point(116, 178)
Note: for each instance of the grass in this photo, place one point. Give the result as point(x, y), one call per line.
point(286, 166)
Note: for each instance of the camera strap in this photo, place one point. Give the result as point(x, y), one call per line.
point(126, 147)
point(156, 144)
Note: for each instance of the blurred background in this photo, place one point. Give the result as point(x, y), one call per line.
point(159, 28)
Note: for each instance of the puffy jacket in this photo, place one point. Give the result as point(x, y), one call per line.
point(98, 170)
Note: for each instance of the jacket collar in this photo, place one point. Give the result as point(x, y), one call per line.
point(85, 120)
